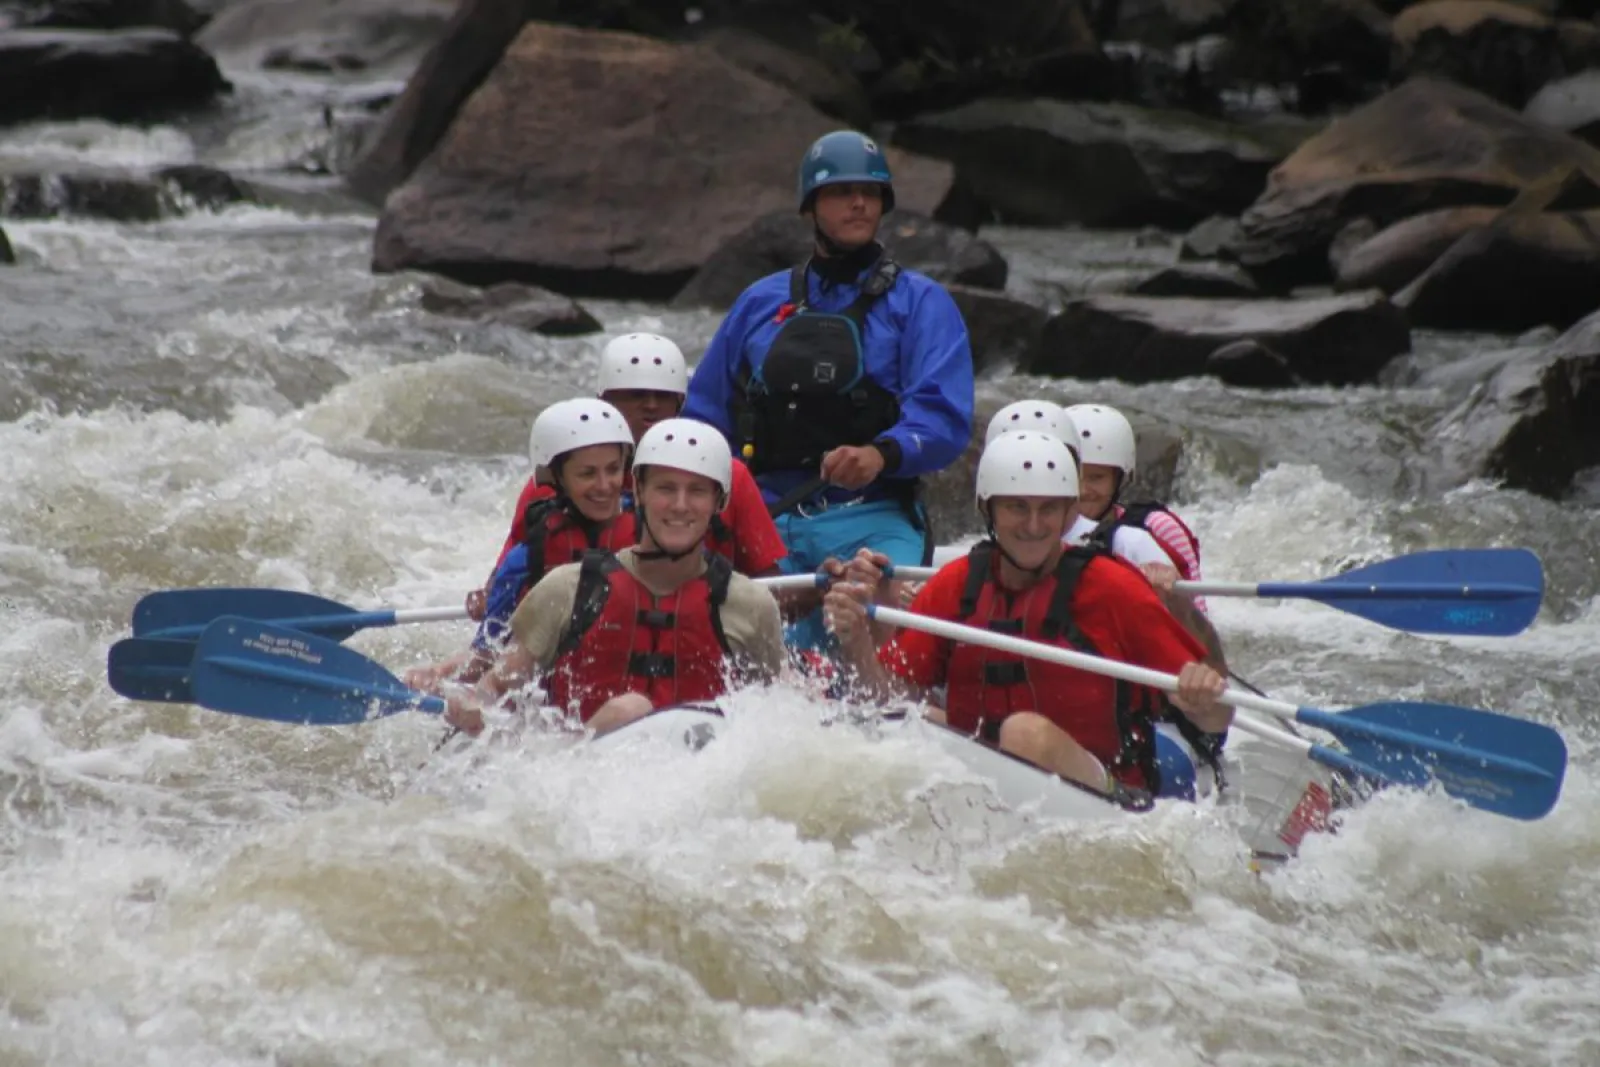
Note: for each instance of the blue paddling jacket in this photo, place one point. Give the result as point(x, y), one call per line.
point(885, 360)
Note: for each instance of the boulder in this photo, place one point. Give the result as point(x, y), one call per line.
point(1276, 42)
point(624, 192)
point(1531, 424)
point(465, 51)
point(117, 195)
point(121, 75)
point(522, 306)
point(1571, 105)
point(1524, 269)
point(1053, 162)
point(1251, 365)
point(385, 35)
point(1160, 22)
point(1504, 50)
point(1209, 238)
point(791, 52)
point(7, 255)
point(1392, 258)
point(1336, 340)
point(1002, 329)
point(175, 15)
point(1427, 145)
point(1200, 280)
point(778, 241)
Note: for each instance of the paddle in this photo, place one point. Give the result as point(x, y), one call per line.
point(1488, 592)
point(264, 671)
point(1394, 743)
point(185, 613)
point(1485, 592)
point(142, 668)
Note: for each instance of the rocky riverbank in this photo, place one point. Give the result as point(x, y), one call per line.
point(1345, 171)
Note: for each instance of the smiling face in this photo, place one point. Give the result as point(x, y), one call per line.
point(1097, 485)
point(592, 479)
point(677, 507)
point(848, 213)
point(1029, 528)
point(643, 408)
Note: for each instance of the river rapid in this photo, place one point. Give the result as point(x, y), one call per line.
point(232, 398)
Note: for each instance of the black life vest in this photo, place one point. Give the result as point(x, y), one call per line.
point(811, 393)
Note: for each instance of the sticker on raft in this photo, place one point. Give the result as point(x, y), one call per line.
point(1310, 815)
point(285, 647)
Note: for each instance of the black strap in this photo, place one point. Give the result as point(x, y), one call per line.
point(589, 603)
point(719, 574)
point(796, 495)
point(1014, 672)
point(652, 665)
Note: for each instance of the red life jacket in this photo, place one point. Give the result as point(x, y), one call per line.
point(558, 533)
point(625, 639)
point(984, 685)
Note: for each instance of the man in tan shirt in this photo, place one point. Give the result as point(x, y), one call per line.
point(615, 636)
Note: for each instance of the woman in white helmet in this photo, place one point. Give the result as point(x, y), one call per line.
point(643, 375)
point(1146, 531)
point(585, 444)
point(663, 622)
point(1022, 579)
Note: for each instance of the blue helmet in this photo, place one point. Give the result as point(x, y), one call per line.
point(844, 156)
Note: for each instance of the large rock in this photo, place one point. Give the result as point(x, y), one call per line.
point(1393, 257)
point(175, 15)
point(525, 307)
point(466, 50)
point(120, 196)
point(778, 241)
point(1339, 340)
point(120, 75)
point(388, 35)
point(7, 256)
point(1427, 145)
point(545, 178)
point(1531, 424)
point(1051, 162)
point(791, 49)
point(1501, 49)
point(1002, 329)
point(1160, 22)
point(943, 53)
point(1571, 105)
point(1278, 41)
point(1524, 269)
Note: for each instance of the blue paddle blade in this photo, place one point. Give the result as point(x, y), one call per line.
point(1494, 762)
point(185, 613)
point(1486, 592)
point(142, 668)
point(253, 668)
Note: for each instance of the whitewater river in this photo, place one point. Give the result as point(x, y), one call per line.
point(232, 398)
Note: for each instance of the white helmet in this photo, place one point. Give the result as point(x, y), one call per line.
point(1026, 463)
point(1037, 415)
point(643, 361)
point(1104, 436)
point(686, 445)
point(570, 424)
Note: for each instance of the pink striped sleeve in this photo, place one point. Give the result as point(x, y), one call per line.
point(1171, 536)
